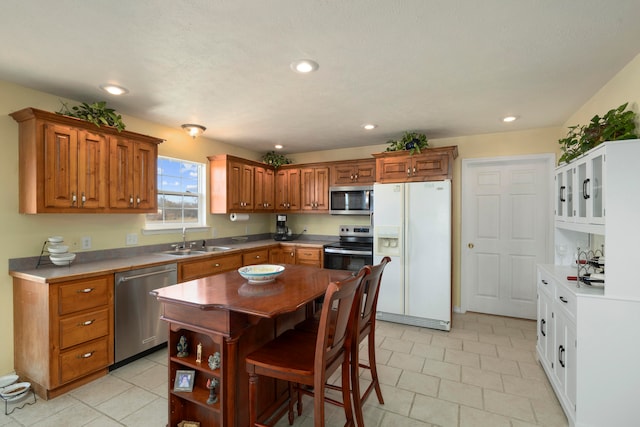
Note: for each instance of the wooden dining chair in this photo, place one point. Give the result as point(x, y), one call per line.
point(366, 321)
point(308, 359)
point(364, 328)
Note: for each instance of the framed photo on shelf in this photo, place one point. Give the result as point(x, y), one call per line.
point(184, 380)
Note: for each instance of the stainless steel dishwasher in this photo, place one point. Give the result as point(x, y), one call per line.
point(138, 327)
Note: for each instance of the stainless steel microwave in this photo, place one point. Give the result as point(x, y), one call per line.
point(351, 200)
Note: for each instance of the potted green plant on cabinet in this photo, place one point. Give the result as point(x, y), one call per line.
point(412, 142)
point(616, 124)
point(96, 113)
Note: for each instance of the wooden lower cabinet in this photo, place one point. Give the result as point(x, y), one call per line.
point(258, 256)
point(309, 256)
point(189, 270)
point(63, 332)
point(282, 255)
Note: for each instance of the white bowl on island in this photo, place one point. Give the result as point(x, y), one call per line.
point(261, 273)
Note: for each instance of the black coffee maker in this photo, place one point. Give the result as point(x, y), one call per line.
point(282, 231)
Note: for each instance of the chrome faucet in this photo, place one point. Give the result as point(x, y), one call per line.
point(184, 238)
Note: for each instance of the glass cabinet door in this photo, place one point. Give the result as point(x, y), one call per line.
point(596, 197)
point(582, 182)
point(568, 179)
point(561, 189)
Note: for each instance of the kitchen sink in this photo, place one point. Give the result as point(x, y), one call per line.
point(215, 248)
point(183, 252)
point(190, 252)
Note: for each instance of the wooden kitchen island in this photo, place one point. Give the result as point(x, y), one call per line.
point(227, 315)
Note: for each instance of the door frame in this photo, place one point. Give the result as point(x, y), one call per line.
point(550, 160)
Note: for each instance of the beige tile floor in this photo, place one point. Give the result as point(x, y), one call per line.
point(482, 373)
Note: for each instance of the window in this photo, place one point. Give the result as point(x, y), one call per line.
point(181, 186)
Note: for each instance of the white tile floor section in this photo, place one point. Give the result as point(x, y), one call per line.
point(482, 373)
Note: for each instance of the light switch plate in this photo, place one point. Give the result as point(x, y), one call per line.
point(86, 242)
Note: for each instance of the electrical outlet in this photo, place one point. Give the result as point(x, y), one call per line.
point(132, 239)
point(86, 242)
point(214, 232)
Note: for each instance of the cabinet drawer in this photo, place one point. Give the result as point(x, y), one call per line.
point(306, 254)
point(84, 294)
point(83, 327)
point(567, 301)
point(84, 359)
point(255, 257)
point(208, 267)
point(546, 283)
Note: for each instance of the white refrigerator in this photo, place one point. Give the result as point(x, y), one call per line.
point(412, 225)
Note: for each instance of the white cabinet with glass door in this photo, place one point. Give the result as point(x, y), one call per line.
point(565, 208)
point(589, 177)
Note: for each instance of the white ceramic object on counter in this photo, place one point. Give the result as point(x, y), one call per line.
point(261, 273)
point(57, 249)
point(55, 239)
point(62, 259)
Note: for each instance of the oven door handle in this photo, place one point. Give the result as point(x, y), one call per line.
point(346, 252)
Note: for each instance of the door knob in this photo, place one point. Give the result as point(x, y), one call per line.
point(470, 245)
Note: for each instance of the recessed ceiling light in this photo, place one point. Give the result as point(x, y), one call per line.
point(510, 119)
point(304, 66)
point(278, 147)
point(114, 89)
point(369, 126)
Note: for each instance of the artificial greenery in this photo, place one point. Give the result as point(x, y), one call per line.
point(275, 159)
point(615, 125)
point(410, 141)
point(96, 113)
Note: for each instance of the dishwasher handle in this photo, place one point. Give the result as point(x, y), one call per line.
point(139, 276)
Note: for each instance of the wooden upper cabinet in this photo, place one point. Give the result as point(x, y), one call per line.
point(75, 168)
point(288, 189)
point(315, 189)
point(240, 185)
point(67, 165)
point(263, 189)
point(360, 172)
point(133, 175)
point(433, 164)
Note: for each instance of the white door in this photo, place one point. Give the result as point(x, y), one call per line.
point(507, 213)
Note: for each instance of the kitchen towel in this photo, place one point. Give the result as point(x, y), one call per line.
point(239, 217)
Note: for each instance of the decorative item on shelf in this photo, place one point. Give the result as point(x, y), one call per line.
point(212, 383)
point(96, 113)
point(183, 347)
point(275, 159)
point(214, 361)
point(616, 124)
point(199, 353)
point(184, 380)
point(412, 142)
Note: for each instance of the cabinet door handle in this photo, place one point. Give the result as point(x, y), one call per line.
point(86, 323)
point(352, 177)
point(414, 170)
point(216, 265)
point(138, 200)
point(257, 256)
point(86, 355)
point(585, 189)
point(560, 355)
point(544, 282)
point(85, 290)
point(562, 197)
point(408, 172)
point(563, 299)
point(131, 200)
point(83, 199)
point(543, 323)
point(74, 198)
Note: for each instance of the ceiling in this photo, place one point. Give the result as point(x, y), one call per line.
point(444, 68)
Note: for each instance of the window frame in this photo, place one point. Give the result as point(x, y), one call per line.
point(157, 227)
